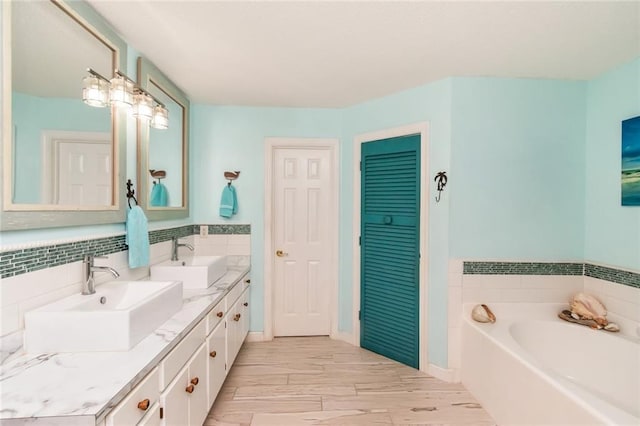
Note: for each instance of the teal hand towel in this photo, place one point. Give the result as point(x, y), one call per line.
point(159, 196)
point(228, 202)
point(137, 237)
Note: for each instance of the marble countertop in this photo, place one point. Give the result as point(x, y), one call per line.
point(82, 388)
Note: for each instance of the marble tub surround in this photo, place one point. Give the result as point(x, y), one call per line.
point(81, 388)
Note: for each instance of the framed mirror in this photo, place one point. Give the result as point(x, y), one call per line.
point(163, 153)
point(62, 159)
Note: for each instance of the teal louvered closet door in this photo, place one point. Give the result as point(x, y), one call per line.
point(390, 232)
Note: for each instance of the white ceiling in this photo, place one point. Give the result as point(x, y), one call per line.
point(339, 53)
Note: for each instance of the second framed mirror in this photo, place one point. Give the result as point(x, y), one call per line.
point(163, 147)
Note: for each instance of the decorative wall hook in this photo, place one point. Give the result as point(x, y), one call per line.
point(441, 180)
point(231, 176)
point(157, 174)
point(130, 193)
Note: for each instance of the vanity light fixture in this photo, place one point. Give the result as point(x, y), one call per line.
point(142, 105)
point(160, 118)
point(121, 91)
point(95, 90)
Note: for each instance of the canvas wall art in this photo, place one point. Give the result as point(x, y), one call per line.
point(631, 162)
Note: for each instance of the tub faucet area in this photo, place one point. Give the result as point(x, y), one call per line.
point(174, 247)
point(88, 283)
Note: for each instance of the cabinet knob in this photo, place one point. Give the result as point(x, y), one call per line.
point(246, 303)
point(195, 381)
point(189, 389)
point(220, 314)
point(248, 281)
point(236, 317)
point(144, 404)
point(213, 354)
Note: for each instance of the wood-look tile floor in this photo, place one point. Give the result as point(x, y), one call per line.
point(319, 381)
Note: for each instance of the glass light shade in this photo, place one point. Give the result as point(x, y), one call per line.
point(95, 91)
point(121, 92)
point(160, 118)
point(142, 106)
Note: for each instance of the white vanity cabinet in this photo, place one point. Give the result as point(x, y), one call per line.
point(184, 381)
point(184, 402)
point(182, 388)
point(141, 400)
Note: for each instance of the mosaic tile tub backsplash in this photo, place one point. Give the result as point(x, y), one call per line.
point(619, 276)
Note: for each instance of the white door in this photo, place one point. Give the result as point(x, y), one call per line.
point(302, 221)
point(84, 173)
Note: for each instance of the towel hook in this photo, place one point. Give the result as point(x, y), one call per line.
point(441, 180)
point(130, 193)
point(157, 174)
point(231, 176)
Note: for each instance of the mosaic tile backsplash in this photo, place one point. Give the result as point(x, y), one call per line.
point(523, 268)
point(619, 276)
point(18, 262)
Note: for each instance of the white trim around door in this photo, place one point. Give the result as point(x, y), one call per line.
point(271, 144)
point(412, 129)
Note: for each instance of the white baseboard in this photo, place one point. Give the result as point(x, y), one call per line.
point(451, 375)
point(344, 337)
point(255, 336)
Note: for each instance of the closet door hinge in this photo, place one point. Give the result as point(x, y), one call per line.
point(361, 166)
point(162, 412)
point(359, 315)
point(360, 240)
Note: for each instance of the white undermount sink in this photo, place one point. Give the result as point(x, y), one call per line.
point(116, 318)
point(194, 272)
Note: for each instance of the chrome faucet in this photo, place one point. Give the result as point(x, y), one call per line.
point(174, 247)
point(89, 283)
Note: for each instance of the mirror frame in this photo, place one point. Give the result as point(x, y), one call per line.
point(34, 216)
point(148, 73)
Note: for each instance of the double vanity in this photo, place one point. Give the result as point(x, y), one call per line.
point(135, 352)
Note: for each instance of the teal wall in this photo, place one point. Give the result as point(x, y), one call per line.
point(534, 169)
point(612, 232)
point(517, 169)
point(232, 138)
point(513, 149)
point(33, 114)
point(431, 103)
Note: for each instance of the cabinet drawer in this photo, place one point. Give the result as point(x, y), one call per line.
point(216, 315)
point(179, 356)
point(234, 293)
point(246, 281)
point(133, 408)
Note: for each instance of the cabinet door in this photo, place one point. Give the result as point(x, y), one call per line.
point(152, 418)
point(175, 401)
point(198, 406)
point(233, 331)
point(246, 317)
point(216, 355)
point(135, 405)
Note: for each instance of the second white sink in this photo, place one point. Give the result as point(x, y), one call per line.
point(194, 272)
point(117, 317)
